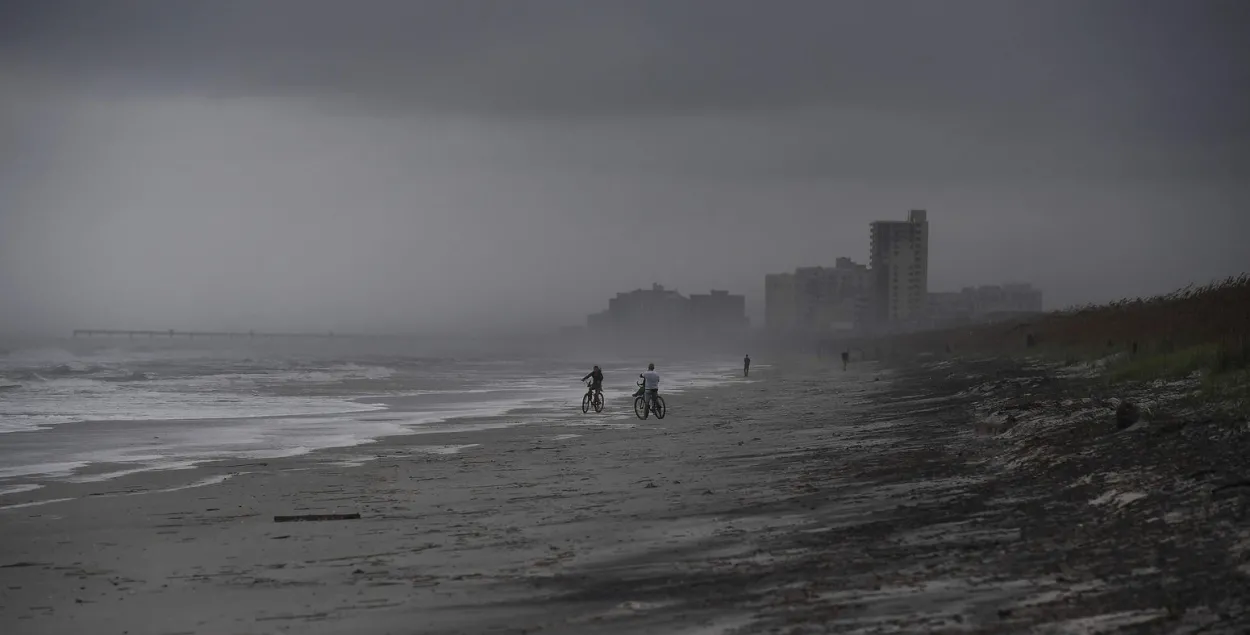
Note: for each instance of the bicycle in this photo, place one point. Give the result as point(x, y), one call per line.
point(642, 409)
point(592, 399)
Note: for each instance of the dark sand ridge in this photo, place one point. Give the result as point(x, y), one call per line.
point(812, 501)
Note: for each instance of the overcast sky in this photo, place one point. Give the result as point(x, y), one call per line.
point(431, 164)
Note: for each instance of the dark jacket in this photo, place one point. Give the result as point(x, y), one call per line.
point(596, 374)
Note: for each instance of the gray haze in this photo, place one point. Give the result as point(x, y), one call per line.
point(433, 165)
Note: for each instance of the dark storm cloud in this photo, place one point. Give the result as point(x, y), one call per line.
point(1156, 83)
point(387, 162)
point(1176, 63)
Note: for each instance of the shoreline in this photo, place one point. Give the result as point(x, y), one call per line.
point(104, 478)
point(368, 417)
point(815, 499)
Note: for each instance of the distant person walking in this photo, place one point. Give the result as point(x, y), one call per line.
point(746, 366)
point(846, 357)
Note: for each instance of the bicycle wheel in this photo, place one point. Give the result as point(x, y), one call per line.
point(585, 403)
point(597, 402)
point(640, 408)
point(660, 408)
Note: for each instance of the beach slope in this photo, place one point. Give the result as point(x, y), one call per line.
point(807, 500)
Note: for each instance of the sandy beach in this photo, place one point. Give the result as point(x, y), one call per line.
point(809, 500)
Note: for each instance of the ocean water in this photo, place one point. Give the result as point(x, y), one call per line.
point(95, 409)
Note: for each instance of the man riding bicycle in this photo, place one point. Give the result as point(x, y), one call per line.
point(596, 383)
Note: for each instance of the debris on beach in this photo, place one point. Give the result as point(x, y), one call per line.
point(315, 517)
point(1126, 414)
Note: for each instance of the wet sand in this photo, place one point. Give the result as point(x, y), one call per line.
point(809, 500)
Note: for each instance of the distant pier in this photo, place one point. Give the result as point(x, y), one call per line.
point(172, 333)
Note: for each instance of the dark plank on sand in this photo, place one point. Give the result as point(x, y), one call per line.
point(313, 517)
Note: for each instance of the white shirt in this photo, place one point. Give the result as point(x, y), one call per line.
point(651, 380)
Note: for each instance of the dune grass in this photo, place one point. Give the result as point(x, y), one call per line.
point(1198, 329)
point(1211, 360)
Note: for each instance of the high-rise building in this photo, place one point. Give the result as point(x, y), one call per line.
point(719, 310)
point(984, 302)
point(1022, 296)
point(817, 299)
point(899, 260)
point(658, 308)
point(779, 301)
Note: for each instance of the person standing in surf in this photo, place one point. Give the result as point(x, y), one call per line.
point(746, 366)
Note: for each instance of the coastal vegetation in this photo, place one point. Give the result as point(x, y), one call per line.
point(1198, 332)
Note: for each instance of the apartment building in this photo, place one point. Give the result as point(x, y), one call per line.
point(659, 308)
point(817, 299)
point(899, 262)
point(718, 310)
